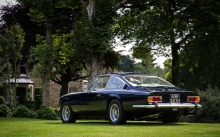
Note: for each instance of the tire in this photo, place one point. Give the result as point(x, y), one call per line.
point(116, 113)
point(67, 114)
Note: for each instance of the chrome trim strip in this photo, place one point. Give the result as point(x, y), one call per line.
point(169, 105)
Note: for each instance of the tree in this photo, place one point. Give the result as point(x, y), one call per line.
point(11, 42)
point(158, 25)
point(97, 25)
point(46, 8)
point(66, 66)
point(64, 18)
point(203, 50)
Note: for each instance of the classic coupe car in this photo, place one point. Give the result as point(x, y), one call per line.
point(119, 97)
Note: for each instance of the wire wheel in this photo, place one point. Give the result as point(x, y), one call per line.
point(114, 112)
point(66, 113)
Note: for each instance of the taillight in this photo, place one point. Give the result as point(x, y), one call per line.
point(154, 99)
point(193, 98)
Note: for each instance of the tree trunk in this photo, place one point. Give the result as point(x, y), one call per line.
point(46, 85)
point(174, 46)
point(175, 64)
point(64, 85)
point(175, 59)
point(94, 63)
point(91, 10)
point(94, 66)
point(46, 79)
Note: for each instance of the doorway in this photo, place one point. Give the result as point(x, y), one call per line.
point(21, 95)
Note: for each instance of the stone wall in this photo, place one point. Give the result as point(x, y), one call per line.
point(74, 86)
point(54, 95)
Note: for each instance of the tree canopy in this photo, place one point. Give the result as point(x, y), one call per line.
point(184, 26)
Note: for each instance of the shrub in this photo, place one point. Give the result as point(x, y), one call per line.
point(210, 111)
point(46, 113)
point(4, 110)
point(55, 110)
point(30, 105)
point(23, 112)
point(2, 100)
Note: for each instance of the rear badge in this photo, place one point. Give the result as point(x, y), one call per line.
point(174, 98)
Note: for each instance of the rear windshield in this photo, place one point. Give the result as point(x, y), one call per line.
point(142, 80)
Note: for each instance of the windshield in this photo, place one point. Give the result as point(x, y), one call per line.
point(143, 80)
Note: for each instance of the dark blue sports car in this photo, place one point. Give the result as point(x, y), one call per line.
point(119, 97)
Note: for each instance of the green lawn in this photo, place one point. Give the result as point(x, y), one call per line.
point(22, 127)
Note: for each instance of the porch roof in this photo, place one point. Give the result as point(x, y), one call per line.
point(20, 80)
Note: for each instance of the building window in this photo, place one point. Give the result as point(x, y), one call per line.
point(23, 70)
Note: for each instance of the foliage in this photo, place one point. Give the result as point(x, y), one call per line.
point(11, 42)
point(46, 113)
point(66, 64)
point(98, 33)
point(188, 26)
point(2, 100)
point(30, 105)
point(23, 112)
point(203, 51)
point(111, 59)
point(4, 110)
point(22, 99)
point(93, 35)
point(210, 111)
point(40, 56)
point(210, 101)
point(147, 64)
point(156, 26)
point(126, 64)
point(55, 111)
point(168, 66)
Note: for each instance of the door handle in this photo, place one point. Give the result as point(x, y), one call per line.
point(99, 95)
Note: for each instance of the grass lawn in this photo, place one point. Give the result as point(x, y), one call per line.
point(22, 127)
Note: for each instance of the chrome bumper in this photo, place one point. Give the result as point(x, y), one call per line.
point(169, 105)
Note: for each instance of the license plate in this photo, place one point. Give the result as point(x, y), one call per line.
point(174, 98)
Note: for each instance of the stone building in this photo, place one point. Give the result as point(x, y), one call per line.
point(25, 86)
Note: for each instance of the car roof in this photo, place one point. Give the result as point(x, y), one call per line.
point(128, 73)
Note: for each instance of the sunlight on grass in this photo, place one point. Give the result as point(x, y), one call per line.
point(22, 127)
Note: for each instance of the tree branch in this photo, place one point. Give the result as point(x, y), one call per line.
point(84, 3)
point(56, 80)
point(74, 79)
point(120, 4)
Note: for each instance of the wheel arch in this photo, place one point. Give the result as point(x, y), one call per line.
point(113, 96)
point(64, 100)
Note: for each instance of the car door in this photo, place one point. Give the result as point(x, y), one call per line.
point(94, 96)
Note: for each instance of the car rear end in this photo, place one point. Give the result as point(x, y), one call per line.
point(169, 105)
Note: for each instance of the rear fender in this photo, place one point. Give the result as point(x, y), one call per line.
point(113, 96)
